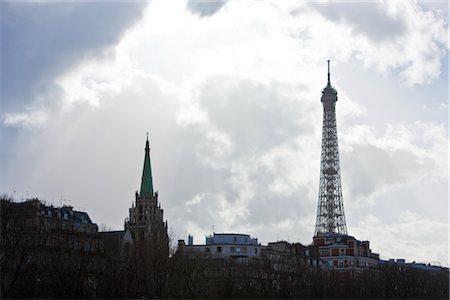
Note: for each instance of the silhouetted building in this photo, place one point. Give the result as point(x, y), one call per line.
point(145, 222)
point(42, 243)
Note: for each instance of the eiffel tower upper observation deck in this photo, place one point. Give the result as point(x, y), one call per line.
point(330, 210)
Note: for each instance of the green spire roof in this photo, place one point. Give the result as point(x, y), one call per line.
point(147, 181)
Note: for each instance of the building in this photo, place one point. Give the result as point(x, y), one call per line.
point(401, 264)
point(40, 244)
point(337, 249)
point(145, 222)
point(285, 252)
point(50, 223)
point(223, 245)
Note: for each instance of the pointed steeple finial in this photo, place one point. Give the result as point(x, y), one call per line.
point(329, 83)
point(147, 145)
point(147, 180)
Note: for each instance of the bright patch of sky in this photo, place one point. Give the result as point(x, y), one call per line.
point(230, 94)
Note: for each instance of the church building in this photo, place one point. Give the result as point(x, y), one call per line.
point(146, 216)
point(145, 224)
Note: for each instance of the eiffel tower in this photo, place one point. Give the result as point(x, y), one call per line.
point(330, 209)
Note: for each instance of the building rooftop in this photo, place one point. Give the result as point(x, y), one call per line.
point(231, 238)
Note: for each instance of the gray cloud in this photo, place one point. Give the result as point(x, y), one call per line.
point(205, 8)
point(438, 6)
point(42, 40)
point(384, 170)
point(256, 117)
point(367, 17)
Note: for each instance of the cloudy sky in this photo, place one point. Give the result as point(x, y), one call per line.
point(229, 92)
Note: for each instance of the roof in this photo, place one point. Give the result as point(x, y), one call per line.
point(35, 206)
point(240, 234)
point(81, 217)
point(147, 181)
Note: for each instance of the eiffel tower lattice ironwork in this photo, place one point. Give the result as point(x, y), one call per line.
point(330, 209)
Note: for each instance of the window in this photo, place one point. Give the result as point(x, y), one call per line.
point(232, 249)
point(219, 249)
point(238, 249)
point(207, 250)
point(244, 249)
point(256, 250)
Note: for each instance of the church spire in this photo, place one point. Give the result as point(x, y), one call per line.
point(147, 181)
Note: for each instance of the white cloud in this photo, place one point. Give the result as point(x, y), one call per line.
point(392, 35)
point(399, 156)
point(32, 118)
point(411, 236)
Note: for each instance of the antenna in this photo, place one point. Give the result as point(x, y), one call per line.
point(328, 71)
